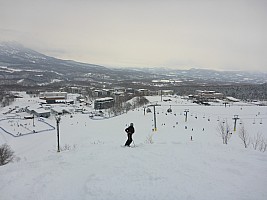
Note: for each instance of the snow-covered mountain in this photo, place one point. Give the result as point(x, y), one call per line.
point(12, 52)
point(163, 164)
point(24, 66)
point(18, 62)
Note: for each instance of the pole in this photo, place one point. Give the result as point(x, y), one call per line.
point(58, 120)
point(186, 111)
point(225, 103)
point(155, 120)
point(155, 123)
point(144, 110)
point(235, 118)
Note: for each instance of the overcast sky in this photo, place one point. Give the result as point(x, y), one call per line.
point(182, 34)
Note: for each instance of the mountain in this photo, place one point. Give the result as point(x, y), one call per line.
point(22, 64)
point(25, 67)
point(212, 76)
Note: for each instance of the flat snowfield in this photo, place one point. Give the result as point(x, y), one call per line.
point(161, 165)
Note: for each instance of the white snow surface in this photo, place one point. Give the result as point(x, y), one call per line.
point(96, 166)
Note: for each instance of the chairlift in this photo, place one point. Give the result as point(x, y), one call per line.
point(148, 110)
point(169, 110)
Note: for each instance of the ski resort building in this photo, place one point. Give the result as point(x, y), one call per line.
point(103, 103)
point(38, 112)
point(51, 97)
point(205, 95)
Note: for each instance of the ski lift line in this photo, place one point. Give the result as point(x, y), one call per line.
point(201, 113)
point(209, 113)
point(185, 105)
point(255, 118)
point(209, 105)
point(212, 114)
point(216, 114)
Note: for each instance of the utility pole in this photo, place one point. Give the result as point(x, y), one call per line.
point(235, 118)
point(225, 103)
point(155, 122)
point(186, 111)
point(33, 120)
point(144, 110)
point(58, 120)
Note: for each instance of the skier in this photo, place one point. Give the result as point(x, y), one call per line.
point(130, 132)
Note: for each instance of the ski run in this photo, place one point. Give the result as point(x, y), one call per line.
point(183, 158)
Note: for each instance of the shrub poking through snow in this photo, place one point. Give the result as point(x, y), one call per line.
point(149, 139)
point(67, 147)
point(244, 136)
point(6, 154)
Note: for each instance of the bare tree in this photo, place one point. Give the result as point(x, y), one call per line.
point(263, 145)
point(224, 131)
point(244, 136)
point(149, 139)
point(127, 106)
point(6, 154)
point(259, 142)
point(256, 141)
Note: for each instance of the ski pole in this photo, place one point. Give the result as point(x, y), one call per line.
point(133, 143)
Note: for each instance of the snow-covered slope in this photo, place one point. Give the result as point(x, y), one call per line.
point(173, 167)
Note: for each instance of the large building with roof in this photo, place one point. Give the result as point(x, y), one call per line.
point(103, 103)
point(51, 97)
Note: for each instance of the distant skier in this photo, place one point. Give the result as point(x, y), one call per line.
point(130, 132)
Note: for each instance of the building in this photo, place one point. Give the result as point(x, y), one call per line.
point(208, 95)
point(232, 99)
point(165, 92)
point(103, 103)
point(42, 113)
point(97, 93)
point(75, 90)
point(106, 92)
point(143, 92)
point(51, 97)
point(38, 112)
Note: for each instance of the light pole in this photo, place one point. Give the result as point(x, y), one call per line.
point(155, 123)
point(235, 119)
point(58, 120)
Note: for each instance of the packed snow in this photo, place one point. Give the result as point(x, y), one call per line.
point(162, 164)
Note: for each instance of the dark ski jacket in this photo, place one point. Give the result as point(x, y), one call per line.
point(129, 130)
